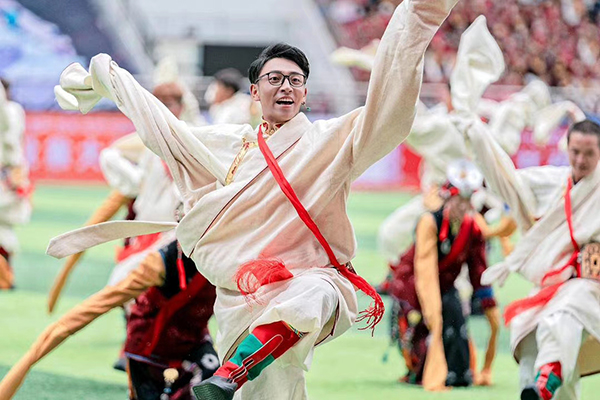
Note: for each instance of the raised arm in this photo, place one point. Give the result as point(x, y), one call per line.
point(189, 160)
point(120, 165)
point(395, 81)
point(500, 173)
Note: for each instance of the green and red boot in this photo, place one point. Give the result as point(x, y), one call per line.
point(263, 346)
point(547, 382)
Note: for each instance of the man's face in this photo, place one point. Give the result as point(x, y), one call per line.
point(171, 95)
point(584, 153)
point(279, 104)
point(174, 104)
point(457, 207)
point(222, 93)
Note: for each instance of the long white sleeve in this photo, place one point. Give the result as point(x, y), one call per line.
point(396, 80)
point(192, 164)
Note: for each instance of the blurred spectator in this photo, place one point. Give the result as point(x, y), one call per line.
point(557, 40)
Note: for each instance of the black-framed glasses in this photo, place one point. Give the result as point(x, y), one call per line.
point(277, 78)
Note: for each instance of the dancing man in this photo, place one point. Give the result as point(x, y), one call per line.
point(266, 217)
point(554, 331)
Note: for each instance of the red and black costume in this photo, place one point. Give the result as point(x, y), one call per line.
point(448, 249)
point(168, 328)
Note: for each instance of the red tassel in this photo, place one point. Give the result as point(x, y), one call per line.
point(374, 314)
point(256, 273)
point(181, 272)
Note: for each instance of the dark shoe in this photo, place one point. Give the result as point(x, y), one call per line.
point(215, 388)
point(531, 392)
point(121, 364)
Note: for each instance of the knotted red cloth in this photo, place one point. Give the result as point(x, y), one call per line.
point(371, 315)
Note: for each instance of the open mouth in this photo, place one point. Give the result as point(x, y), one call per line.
point(285, 102)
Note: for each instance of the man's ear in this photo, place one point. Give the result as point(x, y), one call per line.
point(254, 92)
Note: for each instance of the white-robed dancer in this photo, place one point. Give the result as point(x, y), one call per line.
point(15, 188)
point(140, 180)
point(228, 104)
point(245, 227)
point(555, 331)
point(479, 63)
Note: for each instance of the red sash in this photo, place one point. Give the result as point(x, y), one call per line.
point(137, 245)
point(460, 241)
point(547, 293)
point(374, 313)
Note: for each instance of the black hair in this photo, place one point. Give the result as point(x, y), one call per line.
point(587, 127)
point(279, 50)
point(5, 84)
point(230, 78)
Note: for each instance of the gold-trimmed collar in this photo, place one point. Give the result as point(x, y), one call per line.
point(269, 129)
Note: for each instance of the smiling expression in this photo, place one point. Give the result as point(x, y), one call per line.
point(279, 104)
point(584, 153)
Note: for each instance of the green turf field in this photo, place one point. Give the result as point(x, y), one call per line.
point(349, 368)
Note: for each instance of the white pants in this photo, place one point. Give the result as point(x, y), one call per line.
point(276, 382)
point(558, 338)
point(308, 304)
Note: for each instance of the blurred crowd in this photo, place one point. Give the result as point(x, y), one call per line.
point(556, 40)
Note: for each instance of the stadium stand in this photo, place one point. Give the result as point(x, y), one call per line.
point(557, 40)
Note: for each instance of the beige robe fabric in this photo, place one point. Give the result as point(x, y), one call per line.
point(119, 164)
point(235, 110)
point(434, 136)
point(131, 170)
point(156, 195)
point(226, 226)
point(535, 196)
point(14, 209)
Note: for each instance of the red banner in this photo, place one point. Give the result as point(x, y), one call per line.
point(65, 147)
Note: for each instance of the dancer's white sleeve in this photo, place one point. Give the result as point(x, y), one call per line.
point(190, 161)
point(387, 117)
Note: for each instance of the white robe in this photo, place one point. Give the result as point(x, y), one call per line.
point(435, 138)
point(14, 209)
point(536, 198)
point(235, 110)
point(225, 226)
point(137, 172)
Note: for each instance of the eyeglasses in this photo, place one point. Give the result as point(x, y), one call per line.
point(277, 78)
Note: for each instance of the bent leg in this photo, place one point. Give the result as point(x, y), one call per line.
point(528, 353)
point(297, 316)
point(281, 381)
point(559, 337)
